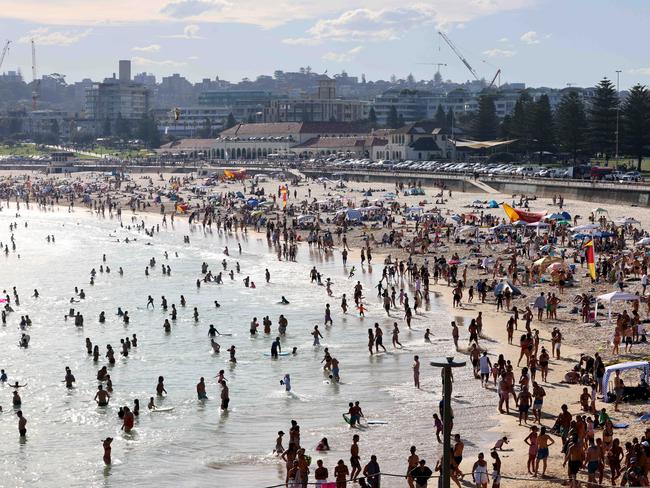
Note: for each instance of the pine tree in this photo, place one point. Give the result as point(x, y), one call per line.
point(602, 118)
point(440, 118)
point(520, 126)
point(372, 117)
point(486, 123)
point(392, 121)
point(542, 125)
point(571, 124)
point(635, 119)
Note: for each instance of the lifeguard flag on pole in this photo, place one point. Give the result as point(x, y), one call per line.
point(591, 260)
point(284, 192)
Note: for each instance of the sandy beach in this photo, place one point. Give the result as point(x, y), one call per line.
point(150, 193)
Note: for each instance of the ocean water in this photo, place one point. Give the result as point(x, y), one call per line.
point(196, 444)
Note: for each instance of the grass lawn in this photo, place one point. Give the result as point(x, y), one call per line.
point(22, 150)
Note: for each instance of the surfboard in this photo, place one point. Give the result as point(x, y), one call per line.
point(279, 354)
point(346, 417)
point(377, 422)
point(162, 409)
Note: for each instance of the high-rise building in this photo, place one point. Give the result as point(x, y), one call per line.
point(117, 98)
point(125, 70)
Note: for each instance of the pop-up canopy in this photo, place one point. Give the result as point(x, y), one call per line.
point(609, 370)
point(615, 296)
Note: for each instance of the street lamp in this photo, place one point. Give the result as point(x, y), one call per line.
point(446, 365)
point(618, 108)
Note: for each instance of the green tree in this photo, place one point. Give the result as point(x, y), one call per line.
point(372, 117)
point(205, 132)
point(486, 123)
point(122, 127)
point(147, 131)
point(542, 125)
point(392, 121)
point(230, 121)
point(521, 122)
point(440, 118)
point(635, 120)
point(571, 124)
point(602, 118)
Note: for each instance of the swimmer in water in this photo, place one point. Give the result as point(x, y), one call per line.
point(160, 387)
point(106, 443)
point(286, 381)
point(217, 304)
point(151, 405)
point(215, 346)
point(284, 301)
point(231, 350)
point(200, 389)
point(102, 397)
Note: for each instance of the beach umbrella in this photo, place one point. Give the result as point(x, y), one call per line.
point(519, 223)
point(585, 227)
point(566, 215)
point(644, 242)
point(563, 222)
point(546, 261)
point(538, 224)
point(557, 267)
point(599, 210)
point(627, 221)
point(555, 216)
point(493, 204)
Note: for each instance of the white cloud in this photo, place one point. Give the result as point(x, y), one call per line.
point(140, 61)
point(189, 32)
point(151, 48)
point(530, 37)
point(193, 58)
point(639, 71)
point(499, 53)
point(343, 57)
point(504, 39)
point(192, 8)
point(45, 37)
point(256, 12)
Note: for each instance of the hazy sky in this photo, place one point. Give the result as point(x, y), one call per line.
point(539, 42)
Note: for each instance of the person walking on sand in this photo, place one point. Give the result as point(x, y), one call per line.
point(544, 441)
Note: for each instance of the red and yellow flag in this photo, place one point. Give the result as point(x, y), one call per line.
point(591, 258)
point(284, 192)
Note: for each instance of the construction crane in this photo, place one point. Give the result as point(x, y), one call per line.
point(4, 52)
point(497, 75)
point(459, 54)
point(35, 81)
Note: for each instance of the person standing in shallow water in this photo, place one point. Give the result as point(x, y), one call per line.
point(106, 444)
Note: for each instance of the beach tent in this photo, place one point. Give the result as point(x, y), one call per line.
point(493, 204)
point(504, 285)
point(615, 296)
point(351, 215)
point(609, 370)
